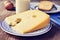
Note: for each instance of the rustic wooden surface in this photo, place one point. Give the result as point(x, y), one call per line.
point(53, 34)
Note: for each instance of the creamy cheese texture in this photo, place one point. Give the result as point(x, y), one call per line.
point(31, 20)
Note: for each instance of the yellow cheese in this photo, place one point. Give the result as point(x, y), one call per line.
point(29, 21)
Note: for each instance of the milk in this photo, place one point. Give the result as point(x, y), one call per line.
point(22, 5)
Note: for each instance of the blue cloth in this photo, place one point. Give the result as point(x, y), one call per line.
point(55, 17)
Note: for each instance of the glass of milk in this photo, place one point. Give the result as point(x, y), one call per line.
point(22, 5)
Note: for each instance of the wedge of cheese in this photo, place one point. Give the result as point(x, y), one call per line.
point(28, 21)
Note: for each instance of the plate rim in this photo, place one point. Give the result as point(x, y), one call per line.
point(26, 35)
point(49, 12)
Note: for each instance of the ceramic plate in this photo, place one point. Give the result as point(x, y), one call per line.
point(4, 26)
point(55, 9)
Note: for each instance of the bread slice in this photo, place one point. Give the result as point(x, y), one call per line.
point(28, 21)
point(45, 5)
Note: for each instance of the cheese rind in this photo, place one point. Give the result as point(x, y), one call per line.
point(30, 21)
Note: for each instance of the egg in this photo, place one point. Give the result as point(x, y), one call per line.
point(8, 5)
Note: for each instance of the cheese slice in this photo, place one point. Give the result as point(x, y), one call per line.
point(31, 20)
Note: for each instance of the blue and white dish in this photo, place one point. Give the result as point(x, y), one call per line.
point(5, 27)
point(55, 7)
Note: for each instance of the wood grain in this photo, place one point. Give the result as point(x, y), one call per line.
point(53, 34)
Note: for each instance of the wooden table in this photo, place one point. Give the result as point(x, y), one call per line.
point(53, 34)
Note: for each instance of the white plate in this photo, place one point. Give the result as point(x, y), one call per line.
point(4, 26)
point(55, 7)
